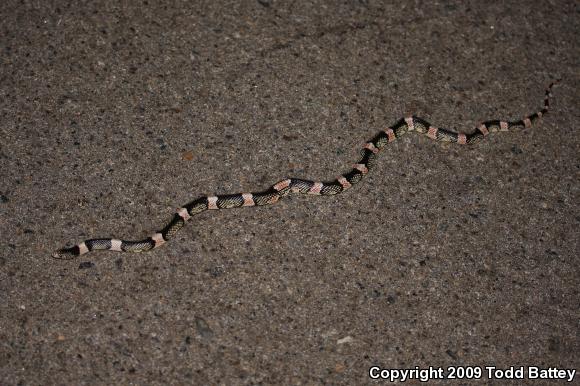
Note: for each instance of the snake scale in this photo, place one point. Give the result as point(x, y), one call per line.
point(299, 186)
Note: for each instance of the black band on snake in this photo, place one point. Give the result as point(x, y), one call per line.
point(298, 186)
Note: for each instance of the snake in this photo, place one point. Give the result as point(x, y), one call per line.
point(291, 186)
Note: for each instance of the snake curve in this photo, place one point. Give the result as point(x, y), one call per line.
point(294, 185)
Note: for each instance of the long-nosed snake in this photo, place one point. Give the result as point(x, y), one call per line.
point(295, 185)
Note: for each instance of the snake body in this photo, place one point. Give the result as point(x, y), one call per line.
point(291, 186)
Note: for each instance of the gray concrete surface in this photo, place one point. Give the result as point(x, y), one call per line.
point(114, 115)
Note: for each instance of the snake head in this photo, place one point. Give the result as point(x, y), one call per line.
point(66, 253)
